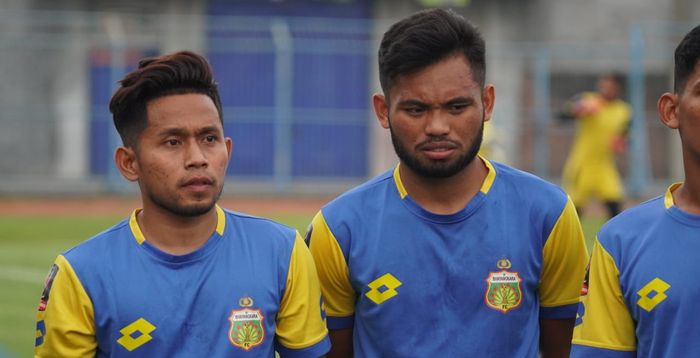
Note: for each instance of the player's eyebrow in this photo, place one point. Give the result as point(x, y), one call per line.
point(459, 100)
point(181, 132)
point(174, 131)
point(207, 130)
point(412, 102)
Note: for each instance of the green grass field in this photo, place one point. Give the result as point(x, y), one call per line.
point(28, 247)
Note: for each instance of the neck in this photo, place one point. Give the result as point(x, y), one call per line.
point(176, 235)
point(687, 196)
point(445, 195)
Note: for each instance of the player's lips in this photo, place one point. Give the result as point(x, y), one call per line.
point(198, 183)
point(438, 150)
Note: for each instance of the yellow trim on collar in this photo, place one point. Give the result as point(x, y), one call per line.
point(485, 186)
point(490, 176)
point(135, 229)
point(399, 184)
point(138, 234)
point(220, 220)
point(668, 197)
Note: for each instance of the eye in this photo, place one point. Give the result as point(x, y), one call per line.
point(172, 142)
point(457, 107)
point(415, 110)
point(210, 138)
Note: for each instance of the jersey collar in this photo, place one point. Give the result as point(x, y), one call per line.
point(668, 197)
point(485, 186)
point(138, 234)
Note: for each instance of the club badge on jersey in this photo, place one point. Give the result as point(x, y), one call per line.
point(247, 330)
point(503, 291)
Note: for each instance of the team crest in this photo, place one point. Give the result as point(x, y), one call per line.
point(503, 291)
point(247, 329)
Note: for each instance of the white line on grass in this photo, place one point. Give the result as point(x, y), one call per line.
point(22, 274)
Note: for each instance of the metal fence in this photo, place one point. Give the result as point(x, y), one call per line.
point(296, 94)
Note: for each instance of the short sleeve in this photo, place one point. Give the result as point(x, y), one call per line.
point(65, 319)
point(605, 327)
point(333, 273)
point(564, 266)
point(301, 328)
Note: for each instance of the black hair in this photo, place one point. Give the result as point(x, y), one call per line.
point(686, 58)
point(425, 38)
point(177, 73)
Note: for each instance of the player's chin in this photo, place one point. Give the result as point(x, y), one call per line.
point(196, 208)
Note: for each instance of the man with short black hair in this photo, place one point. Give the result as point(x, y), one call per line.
point(448, 254)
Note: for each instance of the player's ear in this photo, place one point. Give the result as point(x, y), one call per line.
point(488, 98)
point(229, 146)
point(381, 109)
point(668, 110)
point(125, 159)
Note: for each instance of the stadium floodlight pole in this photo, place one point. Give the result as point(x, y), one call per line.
point(282, 40)
point(116, 35)
point(639, 155)
point(543, 113)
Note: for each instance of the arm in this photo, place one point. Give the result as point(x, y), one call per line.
point(338, 293)
point(301, 330)
point(341, 343)
point(65, 321)
point(604, 326)
point(555, 337)
point(564, 267)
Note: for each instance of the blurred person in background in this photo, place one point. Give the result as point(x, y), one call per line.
point(602, 121)
point(181, 276)
point(640, 296)
point(448, 254)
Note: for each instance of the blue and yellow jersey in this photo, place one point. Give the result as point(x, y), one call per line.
point(252, 288)
point(642, 285)
point(415, 284)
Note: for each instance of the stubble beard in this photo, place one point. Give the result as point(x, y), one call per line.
point(172, 204)
point(437, 169)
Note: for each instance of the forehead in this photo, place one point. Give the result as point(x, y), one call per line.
point(448, 78)
point(191, 110)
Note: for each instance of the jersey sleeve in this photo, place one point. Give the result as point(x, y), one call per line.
point(605, 327)
point(65, 319)
point(333, 273)
point(301, 327)
point(563, 266)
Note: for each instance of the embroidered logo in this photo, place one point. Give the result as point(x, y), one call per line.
point(136, 334)
point(503, 291)
point(383, 288)
point(652, 294)
point(247, 329)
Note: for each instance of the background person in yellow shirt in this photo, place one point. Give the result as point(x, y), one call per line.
point(602, 122)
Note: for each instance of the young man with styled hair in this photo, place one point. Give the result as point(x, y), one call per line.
point(181, 277)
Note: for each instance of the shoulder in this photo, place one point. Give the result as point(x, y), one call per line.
point(621, 233)
point(97, 248)
point(528, 188)
point(259, 228)
point(363, 197)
